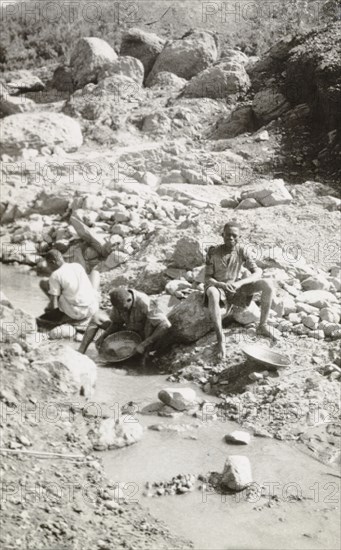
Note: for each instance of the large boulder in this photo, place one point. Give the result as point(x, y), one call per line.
point(39, 130)
point(82, 369)
point(115, 434)
point(188, 253)
point(269, 104)
point(237, 473)
point(317, 298)
point(88, 57)
point(126, 66)
point(218, 83)
point(188, 56)
point(190, 320)
point(179, 398)
point(143, 45)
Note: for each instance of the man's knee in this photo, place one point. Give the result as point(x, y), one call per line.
point(212, 294)
point(266, 284)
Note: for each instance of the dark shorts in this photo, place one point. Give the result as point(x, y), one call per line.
point(55, 318)
point(242, 298)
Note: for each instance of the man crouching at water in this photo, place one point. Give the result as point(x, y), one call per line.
point(132, 310)
point(224, 289)
point(73, 297)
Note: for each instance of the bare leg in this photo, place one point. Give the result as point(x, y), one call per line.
point(265, 287)
point(99, 320)
point(215, 314)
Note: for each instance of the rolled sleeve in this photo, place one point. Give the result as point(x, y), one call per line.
point(55, 288)
point(157, 318)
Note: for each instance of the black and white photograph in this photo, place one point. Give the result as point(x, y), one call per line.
point(170, 266)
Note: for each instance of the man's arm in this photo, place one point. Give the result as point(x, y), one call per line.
point(251, 265)
point(55, 291)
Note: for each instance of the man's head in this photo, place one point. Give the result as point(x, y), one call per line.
point(231, 233)
point(54, 259)
point(121, 298)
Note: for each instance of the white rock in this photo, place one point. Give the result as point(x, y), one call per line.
point(271, 193)
point(317, 298)
point(150, 179)
point(237, 473)
point(114, 434)
point(39, 129)
point(82, 369)
point(262, 136)
point(179, 398)
point(238, 436)
point(247, 315)
point(255, 376)
point(125, 65)
point(306, 308)
point(88, 57)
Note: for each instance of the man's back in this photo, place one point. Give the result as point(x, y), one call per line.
point(71, 283)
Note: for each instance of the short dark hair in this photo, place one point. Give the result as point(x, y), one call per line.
point(119, 296)
point(231, 224)
point(54, 256)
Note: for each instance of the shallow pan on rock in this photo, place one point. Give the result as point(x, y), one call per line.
point(120, 346)
point(265, 356)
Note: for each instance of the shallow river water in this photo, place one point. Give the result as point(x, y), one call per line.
point(211, 521)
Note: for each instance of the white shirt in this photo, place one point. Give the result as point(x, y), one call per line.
point(77, 297)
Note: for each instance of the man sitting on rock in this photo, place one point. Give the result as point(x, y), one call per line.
point(132, 310)
point(73, 298)
point(223, 288)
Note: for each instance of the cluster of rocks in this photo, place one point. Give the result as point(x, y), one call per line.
point(178, 485)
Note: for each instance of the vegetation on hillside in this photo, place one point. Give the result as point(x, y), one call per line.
point(36, 33)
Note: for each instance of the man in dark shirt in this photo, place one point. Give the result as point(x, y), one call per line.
point(132, 310)
point(223, 288)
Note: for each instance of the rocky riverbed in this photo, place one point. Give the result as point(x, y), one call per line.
point(131, 162)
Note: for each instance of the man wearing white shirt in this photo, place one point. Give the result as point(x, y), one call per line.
point(72, 296)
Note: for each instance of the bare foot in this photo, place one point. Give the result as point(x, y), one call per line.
point(221, 351)
point(268, 331)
